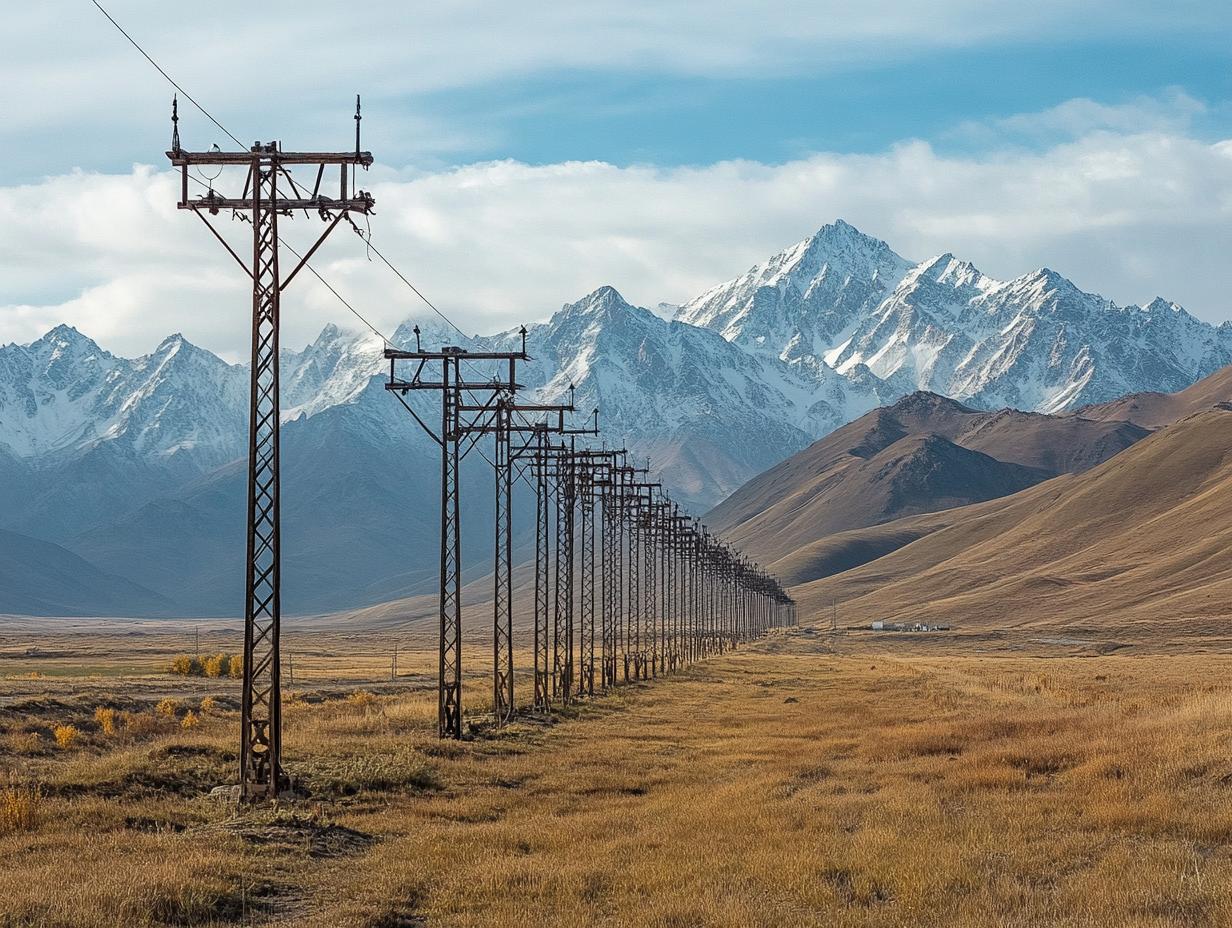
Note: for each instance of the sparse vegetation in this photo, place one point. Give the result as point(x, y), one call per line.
point(216, 665)
point(24, 743)
point(108, 720)
point(66, 736)
point(213, 665)
point(186, 666)
point(781, 785)
point(143, 725)
point(362, 699)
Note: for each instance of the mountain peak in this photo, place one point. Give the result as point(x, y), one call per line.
point(64, 335)
point(840, 228)
point(65, 339)
point(841, 242)
point(925, 401)
point(1048, 277)
point(1160, 305)
point(605, 299)
point(605, 295)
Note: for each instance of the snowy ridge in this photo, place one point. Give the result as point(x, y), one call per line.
point(844, 300)
point(63, 394)
point(746, 374)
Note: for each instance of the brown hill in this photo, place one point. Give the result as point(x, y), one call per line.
point(1155, 410)
point(1139, 543)
point(923, 454)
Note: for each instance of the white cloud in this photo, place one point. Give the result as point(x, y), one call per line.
point(1171, 111)
point(1127, 214)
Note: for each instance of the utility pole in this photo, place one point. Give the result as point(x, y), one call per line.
point(269, 192)
point(458, 380)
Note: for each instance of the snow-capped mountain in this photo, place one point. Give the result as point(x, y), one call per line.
point(843, 300)
point(706, 413)
point(137, 464)
point(64, 395)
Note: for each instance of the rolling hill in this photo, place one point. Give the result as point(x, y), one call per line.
point(923, 454)
point(41, 578)
point(1154, 410)
point(1137, 544)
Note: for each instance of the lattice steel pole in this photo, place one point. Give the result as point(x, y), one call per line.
point(562, 616)
point(502, 619)
point(587, 604)
point(263, 200)
point(543, 580)
point(650, 613)
point(449, 708)
point(607, 651)
point(634, 636)
point(453, 431)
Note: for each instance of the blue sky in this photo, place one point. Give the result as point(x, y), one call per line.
point(530, 152)
point(626, 117)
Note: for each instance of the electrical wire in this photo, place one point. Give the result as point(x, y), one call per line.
point(328, 286)
point(367, 239)
point(169, 78)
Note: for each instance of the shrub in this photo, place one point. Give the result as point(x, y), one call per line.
point(209, 704)
point(186, 666)
point(216, 665)
point(236, 668)
point(21, 807)
point(191, 720)
point(66, 735)
point(168, 708)
point(362, 699)
point(108, 720)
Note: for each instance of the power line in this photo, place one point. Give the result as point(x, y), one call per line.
point(328, 286)
point(368, 241)
point(315, 273)
point(169, 78)
point(228, 133)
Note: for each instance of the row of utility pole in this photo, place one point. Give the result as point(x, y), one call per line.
point(626, 586)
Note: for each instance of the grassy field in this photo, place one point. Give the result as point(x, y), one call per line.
point(807, 780)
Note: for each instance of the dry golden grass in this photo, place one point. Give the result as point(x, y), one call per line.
point(779, 786)
point(21, 806)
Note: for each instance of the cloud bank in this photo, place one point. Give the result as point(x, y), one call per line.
point(1130, 213)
